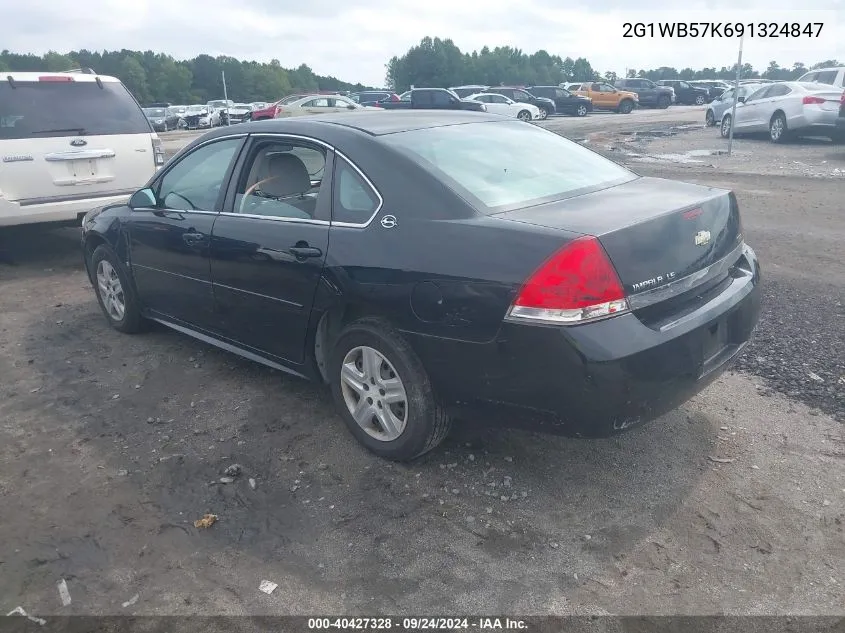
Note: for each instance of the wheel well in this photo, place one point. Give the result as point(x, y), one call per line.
point(91, 243)
point(778, 112)
point(331, 324)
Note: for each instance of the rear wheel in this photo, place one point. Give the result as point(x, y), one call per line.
point(626, 106)
point(725, 130)
point(383, 393)
point(709, 119)
point(663, 102)
point(582, 110)
point(114, 290)
point(544, 114)
point(700, 100)
point(777, 128)
point(524, 115)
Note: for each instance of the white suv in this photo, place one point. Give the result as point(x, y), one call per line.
point(832, 76)
point(70, 142)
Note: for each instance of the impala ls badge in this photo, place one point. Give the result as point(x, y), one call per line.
point(702, 238)
point(79, 142)
point(388, 221)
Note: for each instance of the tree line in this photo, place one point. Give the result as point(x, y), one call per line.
point(436, 62)
point(157, 77)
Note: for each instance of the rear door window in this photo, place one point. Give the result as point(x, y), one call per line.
point(441, 98)
point(68, 108)
point(826, 77)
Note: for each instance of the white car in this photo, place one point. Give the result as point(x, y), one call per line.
point(200, 117)
point(321, 104)
point(500, 104)
point(239, 112)
point(831, 76)
point(70, 142)
point(786, 108)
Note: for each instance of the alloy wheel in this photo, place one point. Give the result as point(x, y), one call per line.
point(111, 290)
point(374, 394)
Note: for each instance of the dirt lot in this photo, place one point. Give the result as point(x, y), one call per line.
point(112, 445)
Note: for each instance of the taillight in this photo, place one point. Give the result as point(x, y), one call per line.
point(276, 110)
point(575, 285)
point(842, 99)
point(812, 100)
point(158, 151)
point(63, 78)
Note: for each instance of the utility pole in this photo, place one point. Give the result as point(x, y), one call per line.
point(736, 96)
point(225, 96)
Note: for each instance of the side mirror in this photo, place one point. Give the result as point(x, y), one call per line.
point(143, 199)
point(350, 107)
point(740, 99)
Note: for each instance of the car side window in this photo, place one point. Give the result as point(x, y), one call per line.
point(354, 200)
point(778, 90)
point(809, 77)
point(757, 94)
point(560, 93)
point(194, 183)
point(441, 98)
point(519, 95)
point(342, 103)
point(826, 77)
point(498, 99)
point(316, 103)
point(596, 87)
point(281, 179)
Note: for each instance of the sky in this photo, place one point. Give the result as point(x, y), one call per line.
point(353, 39)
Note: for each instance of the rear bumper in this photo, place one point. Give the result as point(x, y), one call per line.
point(12, 213)
point(597, 379)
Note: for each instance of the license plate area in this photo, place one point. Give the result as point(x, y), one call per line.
point(717, 345)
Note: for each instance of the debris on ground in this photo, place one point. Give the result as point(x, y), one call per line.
point(233, 471)
point(267, 587)
point(252, 483)
point(206, 521)
point(227, 480)
point(721, 460)
point(64, 594)
point(20, 611)
point(131, 601)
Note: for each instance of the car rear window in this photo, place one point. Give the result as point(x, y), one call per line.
point(68, 108)
point(503, 165)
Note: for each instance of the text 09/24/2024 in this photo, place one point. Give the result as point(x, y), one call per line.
point(722, 29)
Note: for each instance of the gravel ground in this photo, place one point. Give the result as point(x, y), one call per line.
point(111, 446)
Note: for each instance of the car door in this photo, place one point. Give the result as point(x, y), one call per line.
point(319, 105)
point(269, 244)
point(748, 114)
point(646, 90)
point(499, 104)
point(341, 104)
point(778, 97)
point(169, 242)
point(722, 104)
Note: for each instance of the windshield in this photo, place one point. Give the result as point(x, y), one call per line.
point(68, 108)
point(508, 164)
point(155, 112)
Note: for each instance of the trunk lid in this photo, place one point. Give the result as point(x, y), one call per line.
point(655, 231)
point(62, 137)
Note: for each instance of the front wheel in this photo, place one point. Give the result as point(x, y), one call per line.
point(626, 106)
point(709, 119)
point(115, 293)
point(700, 100)
point(524, 115)
point(383, 392)
point(725, 130)
point(664, 102)
point(544, 114)
point(777, 128)
point(581, 111)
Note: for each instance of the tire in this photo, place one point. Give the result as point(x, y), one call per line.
point(114, 288)
point(581, 110)
point(424, 423)
point(725, 127)
point(544, 114)
point(626, 107)
point(709, 118)
point(664, 102)
point(524, 115)
point(700, 100)
point(777, 128)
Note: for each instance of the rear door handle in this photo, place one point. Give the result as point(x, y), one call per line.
point(193, 238)
point(304, 251)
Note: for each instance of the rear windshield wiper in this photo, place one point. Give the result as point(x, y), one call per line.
point(79, 130)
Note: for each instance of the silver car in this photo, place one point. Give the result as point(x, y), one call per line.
point(723, 103)
point(787, 108)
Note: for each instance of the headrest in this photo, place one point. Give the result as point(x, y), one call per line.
point(287, 175)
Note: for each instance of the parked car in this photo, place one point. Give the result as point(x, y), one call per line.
point(434, 99)
point(724, 103)
point(465, 91)
point(372, 97)
point(198, 117)
point(648, 92)
point(270, 112)
point(787, 109)
point(239, 112)
point(539, 275)
point(832, 76)
point(715, 87)
point(840, 121)
point(606, 97)
point(162, 119)
point(70, 142)
point(319, 104)
point(686, 93)
point(565, 101)
point(500, 104)
point(523, 95)
point(257, 105)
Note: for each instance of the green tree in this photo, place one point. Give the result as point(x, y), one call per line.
point(134, 77)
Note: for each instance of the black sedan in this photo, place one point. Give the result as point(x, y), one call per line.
point(163, 119)
point(565, 102)
point(426, 263)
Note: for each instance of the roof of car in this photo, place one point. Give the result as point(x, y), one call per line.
point(74, 76)
point(374, 122)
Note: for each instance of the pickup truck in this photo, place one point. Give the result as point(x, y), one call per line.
point(433, 99)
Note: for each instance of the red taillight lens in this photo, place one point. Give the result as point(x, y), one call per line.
point(64, 78)
point(812, 100)
point(394, 98)
point(276, 111)
point(576, 284)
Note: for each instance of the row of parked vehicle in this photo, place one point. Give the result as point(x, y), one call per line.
point(164, 117)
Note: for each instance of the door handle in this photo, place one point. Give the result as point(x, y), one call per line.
point(303, 251)
point(193, 238)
